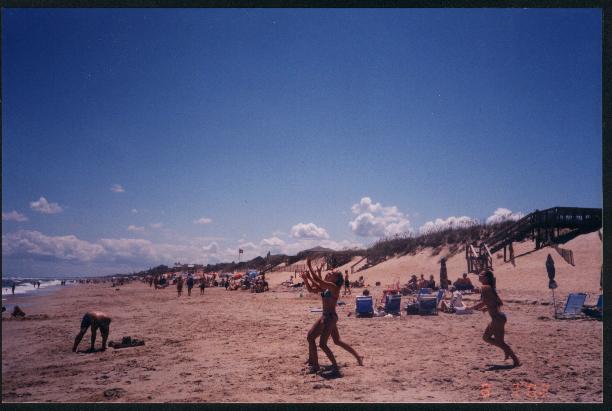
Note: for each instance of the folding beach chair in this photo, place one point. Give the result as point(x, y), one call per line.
point(599, 304)
point(573, 306)
point(392, 303)
point(364, 306)
point(440, 296)
point(594, 311)
point(427, 303)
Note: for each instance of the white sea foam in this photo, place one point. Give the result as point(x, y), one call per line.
point(24, 286)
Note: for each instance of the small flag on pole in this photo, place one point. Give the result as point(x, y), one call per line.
point(240, 251)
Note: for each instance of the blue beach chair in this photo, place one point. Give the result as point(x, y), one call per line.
point(573, 306)
point(393, 303)
point(600, 303)
point(427, 304)
point(364, 306)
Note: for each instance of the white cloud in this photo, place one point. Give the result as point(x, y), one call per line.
point(135, 228)
point(272, 242)
point(374, 220)
point(67, 247)
point(156, 225)
point(203, 220)
point(135, 253)
point(310, 230)
point(13, 216)
point(451, 222)
point(134, 211)
point(212, 248)
point(43, 206)
point(503, 214)
point(117, 188)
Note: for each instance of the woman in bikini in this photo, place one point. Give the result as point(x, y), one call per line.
point(327, 324)
point(490, 301)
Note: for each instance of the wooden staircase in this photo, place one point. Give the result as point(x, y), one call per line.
point(549, 227)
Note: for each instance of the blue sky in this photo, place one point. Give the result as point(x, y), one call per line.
point(135, 137)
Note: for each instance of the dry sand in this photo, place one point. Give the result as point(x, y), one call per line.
point(243, 347)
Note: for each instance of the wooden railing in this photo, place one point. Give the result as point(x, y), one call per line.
point(545, 227)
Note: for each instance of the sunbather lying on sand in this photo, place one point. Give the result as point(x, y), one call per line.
point(327, 324)
point(490, 301)
point(95, 320)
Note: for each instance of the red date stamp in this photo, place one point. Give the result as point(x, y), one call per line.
point(522, 390)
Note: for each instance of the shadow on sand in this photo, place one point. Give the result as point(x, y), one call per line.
point(495, 367)
point(90, 351)
point(330, 374)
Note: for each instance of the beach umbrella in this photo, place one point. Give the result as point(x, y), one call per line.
point(237, 275)
point(552, 284)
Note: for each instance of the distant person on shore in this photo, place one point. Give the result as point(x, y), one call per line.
point(490, 301)
point(347, 283)
point(422, 282)
point(412, 284)
point(226, 283)
point(95, 320)
point(190, 282)
point(463, 283)
point(179, 285)
point(327, 325)
point(202, 284)
point(13, 288)
point(18, 312)
point(431, 283)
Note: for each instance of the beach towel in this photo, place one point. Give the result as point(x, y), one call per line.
point(126, 342)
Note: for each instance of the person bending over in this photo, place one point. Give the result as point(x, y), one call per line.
point(95, 320)
point(328, 323)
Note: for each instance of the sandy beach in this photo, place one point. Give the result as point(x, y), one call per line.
point(244, 347)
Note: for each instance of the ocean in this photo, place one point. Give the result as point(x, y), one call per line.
point(26, 285)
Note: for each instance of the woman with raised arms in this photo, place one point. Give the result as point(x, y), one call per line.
point(327, 325)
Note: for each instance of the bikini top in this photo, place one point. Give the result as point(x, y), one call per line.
point(326, 294)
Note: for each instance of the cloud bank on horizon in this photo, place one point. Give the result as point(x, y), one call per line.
point(371, 220)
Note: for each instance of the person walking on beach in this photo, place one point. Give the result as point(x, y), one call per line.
point(13, 288)
point(490, 301)
point(179, 285)
point(189, 284)
point(325, 326)
point(202, 284)
point(347, 283)
point(95, 320)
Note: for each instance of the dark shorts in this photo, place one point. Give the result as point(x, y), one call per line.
point(86, 321)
